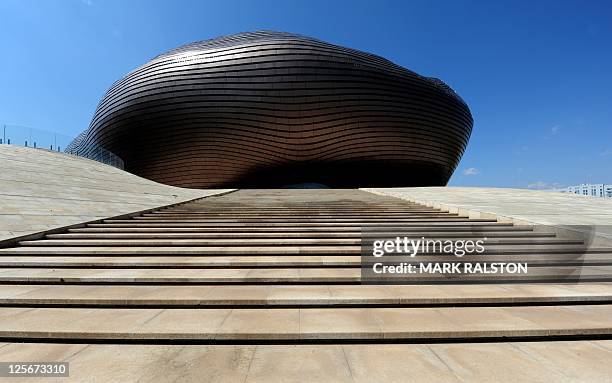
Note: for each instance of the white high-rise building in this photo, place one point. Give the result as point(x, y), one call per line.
point(593, 190)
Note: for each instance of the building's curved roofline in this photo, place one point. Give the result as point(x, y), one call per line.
point(270, 36)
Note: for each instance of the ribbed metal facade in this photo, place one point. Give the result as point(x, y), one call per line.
point(268, 109)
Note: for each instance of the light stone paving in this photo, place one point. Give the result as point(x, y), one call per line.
point(304, 295)
point(578, 361)
point(520, 206)
point(41, 190)
point(295, 324)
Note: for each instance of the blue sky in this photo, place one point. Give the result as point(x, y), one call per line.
point(536, 74)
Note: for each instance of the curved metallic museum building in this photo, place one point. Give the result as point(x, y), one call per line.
point(270, 109)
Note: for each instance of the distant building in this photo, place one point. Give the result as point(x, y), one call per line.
point(593, 190)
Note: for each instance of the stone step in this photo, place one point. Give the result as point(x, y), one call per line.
point(299, 220)
point(298, 213)
point(293, 324)
point(413, 230)
point(365, 221)
point(303, 225)
point(136, 261)
point(296, 217)
point(305, 295)
point(209, 206)
point(285, 275)
point(80, 234)
point(271, 250)
point(590, 255)
point(288, 210)
point(490, 242)
point(293, 213)
point(239, 207)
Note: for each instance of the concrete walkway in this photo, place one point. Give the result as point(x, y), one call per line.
point(41, 189)
point(578, 361)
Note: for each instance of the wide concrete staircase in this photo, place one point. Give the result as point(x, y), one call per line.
point(271, 266)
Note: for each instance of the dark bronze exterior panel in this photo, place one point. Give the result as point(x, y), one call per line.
point(267, 109)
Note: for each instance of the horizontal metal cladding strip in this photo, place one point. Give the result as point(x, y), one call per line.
point(342, 130)
point(258, 55)
point(257, 76)
point(282, 149)
point(256, 130)
point(407, 148)
point(273, 65)
point(263, 123)
point(279, 59)
point(255, 135)
point(307, 100)
point(294, 87)
point(347, 113)
point(265, 109)
point(289, 97)
point(271, 109)
point(309, 141)
point(330, 142)
point(329, 115)
point(279, 62)
point(348, 150)
point(194, 163)
point(273, 50)
point(353, 151)
point(287, 66)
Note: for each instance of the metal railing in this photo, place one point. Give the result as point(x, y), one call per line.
point(34, 138)
point(98, 153)
point(43, 139)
